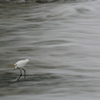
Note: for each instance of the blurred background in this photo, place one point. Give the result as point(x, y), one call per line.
point(62, 41)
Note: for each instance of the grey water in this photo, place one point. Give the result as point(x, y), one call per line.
point(62, 41)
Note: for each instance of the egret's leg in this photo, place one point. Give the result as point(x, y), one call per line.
point(24, 72)
point(20, 74)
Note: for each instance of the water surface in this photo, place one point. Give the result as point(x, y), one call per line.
point(62, 41)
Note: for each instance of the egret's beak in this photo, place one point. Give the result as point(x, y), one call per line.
point(12, 66)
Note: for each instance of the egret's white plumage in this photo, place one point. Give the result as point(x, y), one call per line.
point(20, 65)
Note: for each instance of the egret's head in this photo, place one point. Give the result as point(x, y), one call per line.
point(27, 60)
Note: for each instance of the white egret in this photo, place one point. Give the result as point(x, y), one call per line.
point(20, 65)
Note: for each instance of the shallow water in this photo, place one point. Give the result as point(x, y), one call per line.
point(62, 41)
